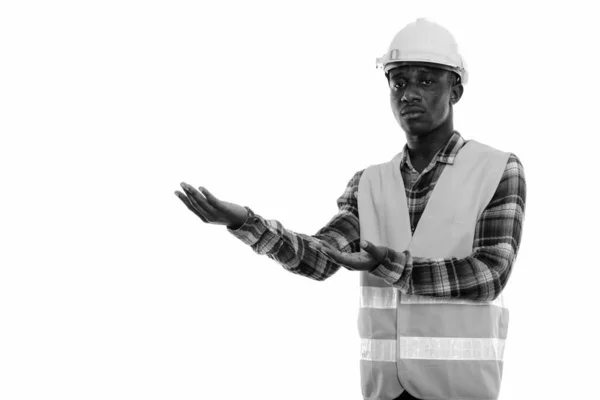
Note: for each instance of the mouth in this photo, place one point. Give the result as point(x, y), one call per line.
point(412, 112)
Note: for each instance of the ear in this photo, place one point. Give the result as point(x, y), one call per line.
point(456, 93)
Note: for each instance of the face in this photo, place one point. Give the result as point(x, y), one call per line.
point(421, 96)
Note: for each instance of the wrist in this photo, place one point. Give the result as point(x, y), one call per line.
point(387, 252)
point(242, 220)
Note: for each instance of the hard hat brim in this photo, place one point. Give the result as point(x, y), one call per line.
point(397, 64)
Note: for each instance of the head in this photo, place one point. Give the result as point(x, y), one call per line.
point(422, 95)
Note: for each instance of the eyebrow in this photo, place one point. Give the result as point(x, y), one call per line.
point(419, 69)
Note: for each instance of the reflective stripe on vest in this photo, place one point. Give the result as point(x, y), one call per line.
point(431, 348)
point(437, 348)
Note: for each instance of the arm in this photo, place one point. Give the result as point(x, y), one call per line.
point(482, 275)
point(297, 252)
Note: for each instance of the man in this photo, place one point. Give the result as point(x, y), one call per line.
point(434, 233)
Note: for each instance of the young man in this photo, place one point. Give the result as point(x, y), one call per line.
point(434, 233)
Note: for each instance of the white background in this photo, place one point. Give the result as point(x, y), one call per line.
point(111, 289)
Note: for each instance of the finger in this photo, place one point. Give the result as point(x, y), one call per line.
point(189, 205)
point(210, 198)
point(353, 261)
point(341, 258)
point(215, 206)
point(378, 252)
point(194, 193)
point(323, 248)
point(198, 206)
point(360, 261)
point(198, 200)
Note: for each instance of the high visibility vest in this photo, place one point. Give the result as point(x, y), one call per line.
point(436, 348)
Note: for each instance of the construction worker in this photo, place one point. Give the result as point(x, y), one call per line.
point(434, 233)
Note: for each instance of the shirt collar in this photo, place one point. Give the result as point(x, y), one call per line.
point(447, 154)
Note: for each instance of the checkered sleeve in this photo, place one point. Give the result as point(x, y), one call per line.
point(482, 275)
point(296, 252)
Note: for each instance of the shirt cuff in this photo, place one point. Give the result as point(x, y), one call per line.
point(252, 229)
point(395, 269)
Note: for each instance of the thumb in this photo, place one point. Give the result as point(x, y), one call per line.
point(212, 200)
point(379, 252)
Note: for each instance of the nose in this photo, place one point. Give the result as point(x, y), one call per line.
point(411, 94)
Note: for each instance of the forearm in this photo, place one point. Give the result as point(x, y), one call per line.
point(480, 277)
point(296, 252)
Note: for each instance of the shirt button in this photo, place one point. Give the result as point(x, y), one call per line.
point(255, 219)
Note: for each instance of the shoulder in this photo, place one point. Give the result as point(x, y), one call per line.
point(514, 172)
point(485, 150)
point(479, 147)
point(514, 163)
point(355, 180)
point(351, 190)
point(509, 160)
point(352, 187)
point(512, 187)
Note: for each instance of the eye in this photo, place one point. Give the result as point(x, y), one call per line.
point(398, 85)
point(427, 82)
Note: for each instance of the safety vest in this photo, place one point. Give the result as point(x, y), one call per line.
point(436, 348)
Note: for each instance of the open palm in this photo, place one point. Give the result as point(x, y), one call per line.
point(366, 260)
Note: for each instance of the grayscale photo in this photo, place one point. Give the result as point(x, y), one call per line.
point(324, 200)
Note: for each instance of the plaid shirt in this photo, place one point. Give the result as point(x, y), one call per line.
point(481, 276)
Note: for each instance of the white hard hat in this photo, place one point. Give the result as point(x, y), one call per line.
point(424, 41)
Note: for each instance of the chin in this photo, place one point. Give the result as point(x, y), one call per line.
point(416, 128)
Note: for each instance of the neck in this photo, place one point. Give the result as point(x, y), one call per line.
point(424, 146)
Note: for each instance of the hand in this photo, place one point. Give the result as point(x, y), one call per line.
point(366, 260)
point(210, 209)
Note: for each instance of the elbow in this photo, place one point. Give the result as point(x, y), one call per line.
point(499, 288)
point(493, 296)
point(492, 290)
point(496, 267)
